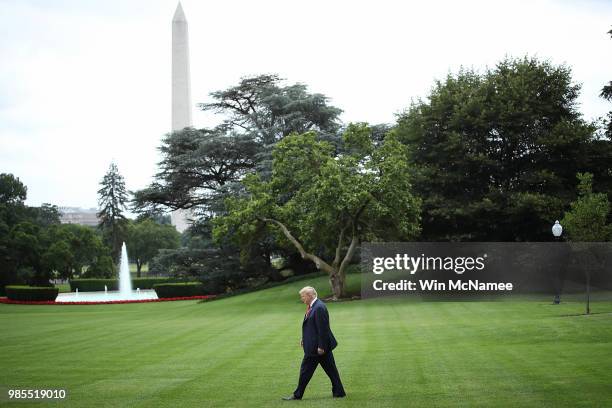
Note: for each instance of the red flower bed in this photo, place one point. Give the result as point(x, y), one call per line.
point(52, 302)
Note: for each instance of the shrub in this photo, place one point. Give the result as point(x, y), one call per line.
point(148, 283)
point(169, 290)
point(31, 293)
point(93, 285)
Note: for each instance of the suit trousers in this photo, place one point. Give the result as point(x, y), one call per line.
point(309, 365)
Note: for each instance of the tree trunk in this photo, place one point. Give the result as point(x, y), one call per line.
point(138, 267)
point(588, 292)
point(336, 274)
point(337, 280)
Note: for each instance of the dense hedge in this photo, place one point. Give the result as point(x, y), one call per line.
point(148, 283)
point(31, 293)
point(170, 290)
point(95, 285)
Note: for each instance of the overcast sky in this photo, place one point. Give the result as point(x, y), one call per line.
point(85, 82)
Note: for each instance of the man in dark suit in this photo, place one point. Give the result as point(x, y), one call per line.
point(318, 342)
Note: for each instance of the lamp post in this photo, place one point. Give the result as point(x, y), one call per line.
point(557, 230)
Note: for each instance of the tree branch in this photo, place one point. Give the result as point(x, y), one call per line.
point(321, 264)
point(354, 240)
point(339, 248)
point(350, 251)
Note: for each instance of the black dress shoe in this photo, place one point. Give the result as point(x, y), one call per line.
point(291, 398)
point(340, 396)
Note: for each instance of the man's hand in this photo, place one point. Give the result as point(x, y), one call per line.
point(320, 351)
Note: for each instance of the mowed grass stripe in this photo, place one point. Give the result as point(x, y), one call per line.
point(244, 351)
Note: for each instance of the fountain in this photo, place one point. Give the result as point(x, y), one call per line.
point(125, 291)
point(125, 280)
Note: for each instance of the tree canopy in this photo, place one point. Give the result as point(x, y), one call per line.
point(586, 221)
point(112, 200)
point(606, 93)
point(266, 109)
point(323, 205)
point(146, 238)
point(497, 153)
point(199, 165)
point(196, 167)
point(35, 247)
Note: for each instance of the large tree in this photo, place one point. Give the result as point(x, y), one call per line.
point(76, 250)
point(200, 168)
point(20, 234)
point(196, 167)
point(497, 153)
point(35, 247)
point(269, 110)
point(112, 201)
point(199, 165)
point(601, 152)
point(146, 238)
point(12, 190)
point(606, 93)
point(323, 205)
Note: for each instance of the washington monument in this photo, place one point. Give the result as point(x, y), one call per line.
point(181, 92)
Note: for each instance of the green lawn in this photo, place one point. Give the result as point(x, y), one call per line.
point(244, 351)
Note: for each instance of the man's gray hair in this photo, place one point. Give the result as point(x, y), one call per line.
point(308, 289)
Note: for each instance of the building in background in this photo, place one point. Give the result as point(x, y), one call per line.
point(76, 215)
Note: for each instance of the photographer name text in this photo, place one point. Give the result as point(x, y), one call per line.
point(434, 286)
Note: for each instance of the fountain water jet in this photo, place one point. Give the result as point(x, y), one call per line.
point(125, 280)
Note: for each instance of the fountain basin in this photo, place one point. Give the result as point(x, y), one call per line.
point(109, 296)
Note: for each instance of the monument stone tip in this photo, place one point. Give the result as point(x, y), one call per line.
point(179, 15)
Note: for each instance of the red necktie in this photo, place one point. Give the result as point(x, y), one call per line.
point(307, 311)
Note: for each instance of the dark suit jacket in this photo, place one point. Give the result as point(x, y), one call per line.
point(315, 330)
